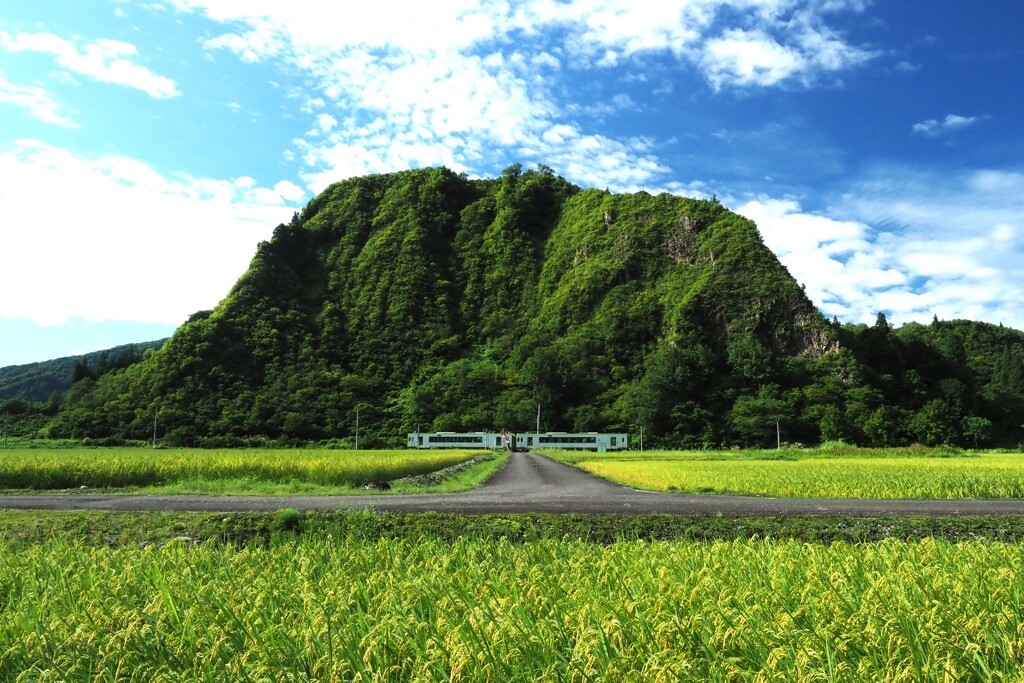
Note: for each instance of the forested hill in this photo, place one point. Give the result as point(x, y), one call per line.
point(38, 381)
point(426, 299)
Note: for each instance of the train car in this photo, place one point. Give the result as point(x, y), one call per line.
point(592, 441)
point(485, 440)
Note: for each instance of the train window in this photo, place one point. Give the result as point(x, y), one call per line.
point(421, 440)
point(615, 441)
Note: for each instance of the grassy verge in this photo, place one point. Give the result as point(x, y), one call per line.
point(463, 477)
point(103, 528)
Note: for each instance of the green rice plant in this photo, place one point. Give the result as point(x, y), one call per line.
point(828, 450)
point(986, 475)
point(142, 467)
point(323, 609)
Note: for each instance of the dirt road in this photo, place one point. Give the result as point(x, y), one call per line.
point(533, 483)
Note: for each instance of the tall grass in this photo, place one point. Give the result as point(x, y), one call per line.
point(985, 475)
point(477, 610)
point(115, 468)
point(827, 451)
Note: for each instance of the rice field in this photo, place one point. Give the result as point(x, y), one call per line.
point(973, 475)
point(212, 470)
point(337, 609)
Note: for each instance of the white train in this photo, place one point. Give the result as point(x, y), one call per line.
point(592, 441)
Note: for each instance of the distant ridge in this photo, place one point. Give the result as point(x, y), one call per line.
point(37, 381)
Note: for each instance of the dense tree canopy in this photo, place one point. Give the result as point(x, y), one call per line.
point(428, 300)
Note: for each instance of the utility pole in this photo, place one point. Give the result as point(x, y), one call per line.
point(357, 428)
point(154, 427)
point(641, 439)
point(538, 418)
point(778, 437)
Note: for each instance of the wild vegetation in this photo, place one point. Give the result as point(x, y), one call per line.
point(39, 381)
point(797, 474)
point(426, 299)
point(321, 608)
point(23, 528)
point(216, 471)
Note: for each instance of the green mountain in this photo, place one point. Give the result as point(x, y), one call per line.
point(37, 381)
point(426, 299)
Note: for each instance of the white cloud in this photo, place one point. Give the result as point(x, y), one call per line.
point(600, 161)
point(952, 122)
point(744, 43)
point(325, 123)
point(37, 100)
point(472, 83)
point(107, 61)
point(801, 49)
point(312, 104)
point(1009, 183)
point(289, 192)
point(749, 58)
point(835, 259)
point(171, 244)
point(912, 244)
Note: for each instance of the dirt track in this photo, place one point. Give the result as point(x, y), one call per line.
point(533, 483)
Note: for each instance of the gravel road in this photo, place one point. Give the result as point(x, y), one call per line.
point(533, 483)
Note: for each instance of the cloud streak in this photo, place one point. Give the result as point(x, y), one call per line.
point(950, 124)
point(106, 61)
point(907, 242)
point(39, 102)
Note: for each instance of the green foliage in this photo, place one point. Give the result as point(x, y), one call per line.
point(422, 608)
point(288, 520)
point(22, 529)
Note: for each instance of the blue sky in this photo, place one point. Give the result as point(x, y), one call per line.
point(146, 148)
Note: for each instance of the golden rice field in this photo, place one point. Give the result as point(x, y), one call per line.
point(984, 475)
point(56, 469)
point(323, 609)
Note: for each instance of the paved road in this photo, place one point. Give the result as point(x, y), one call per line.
point(533, 483)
